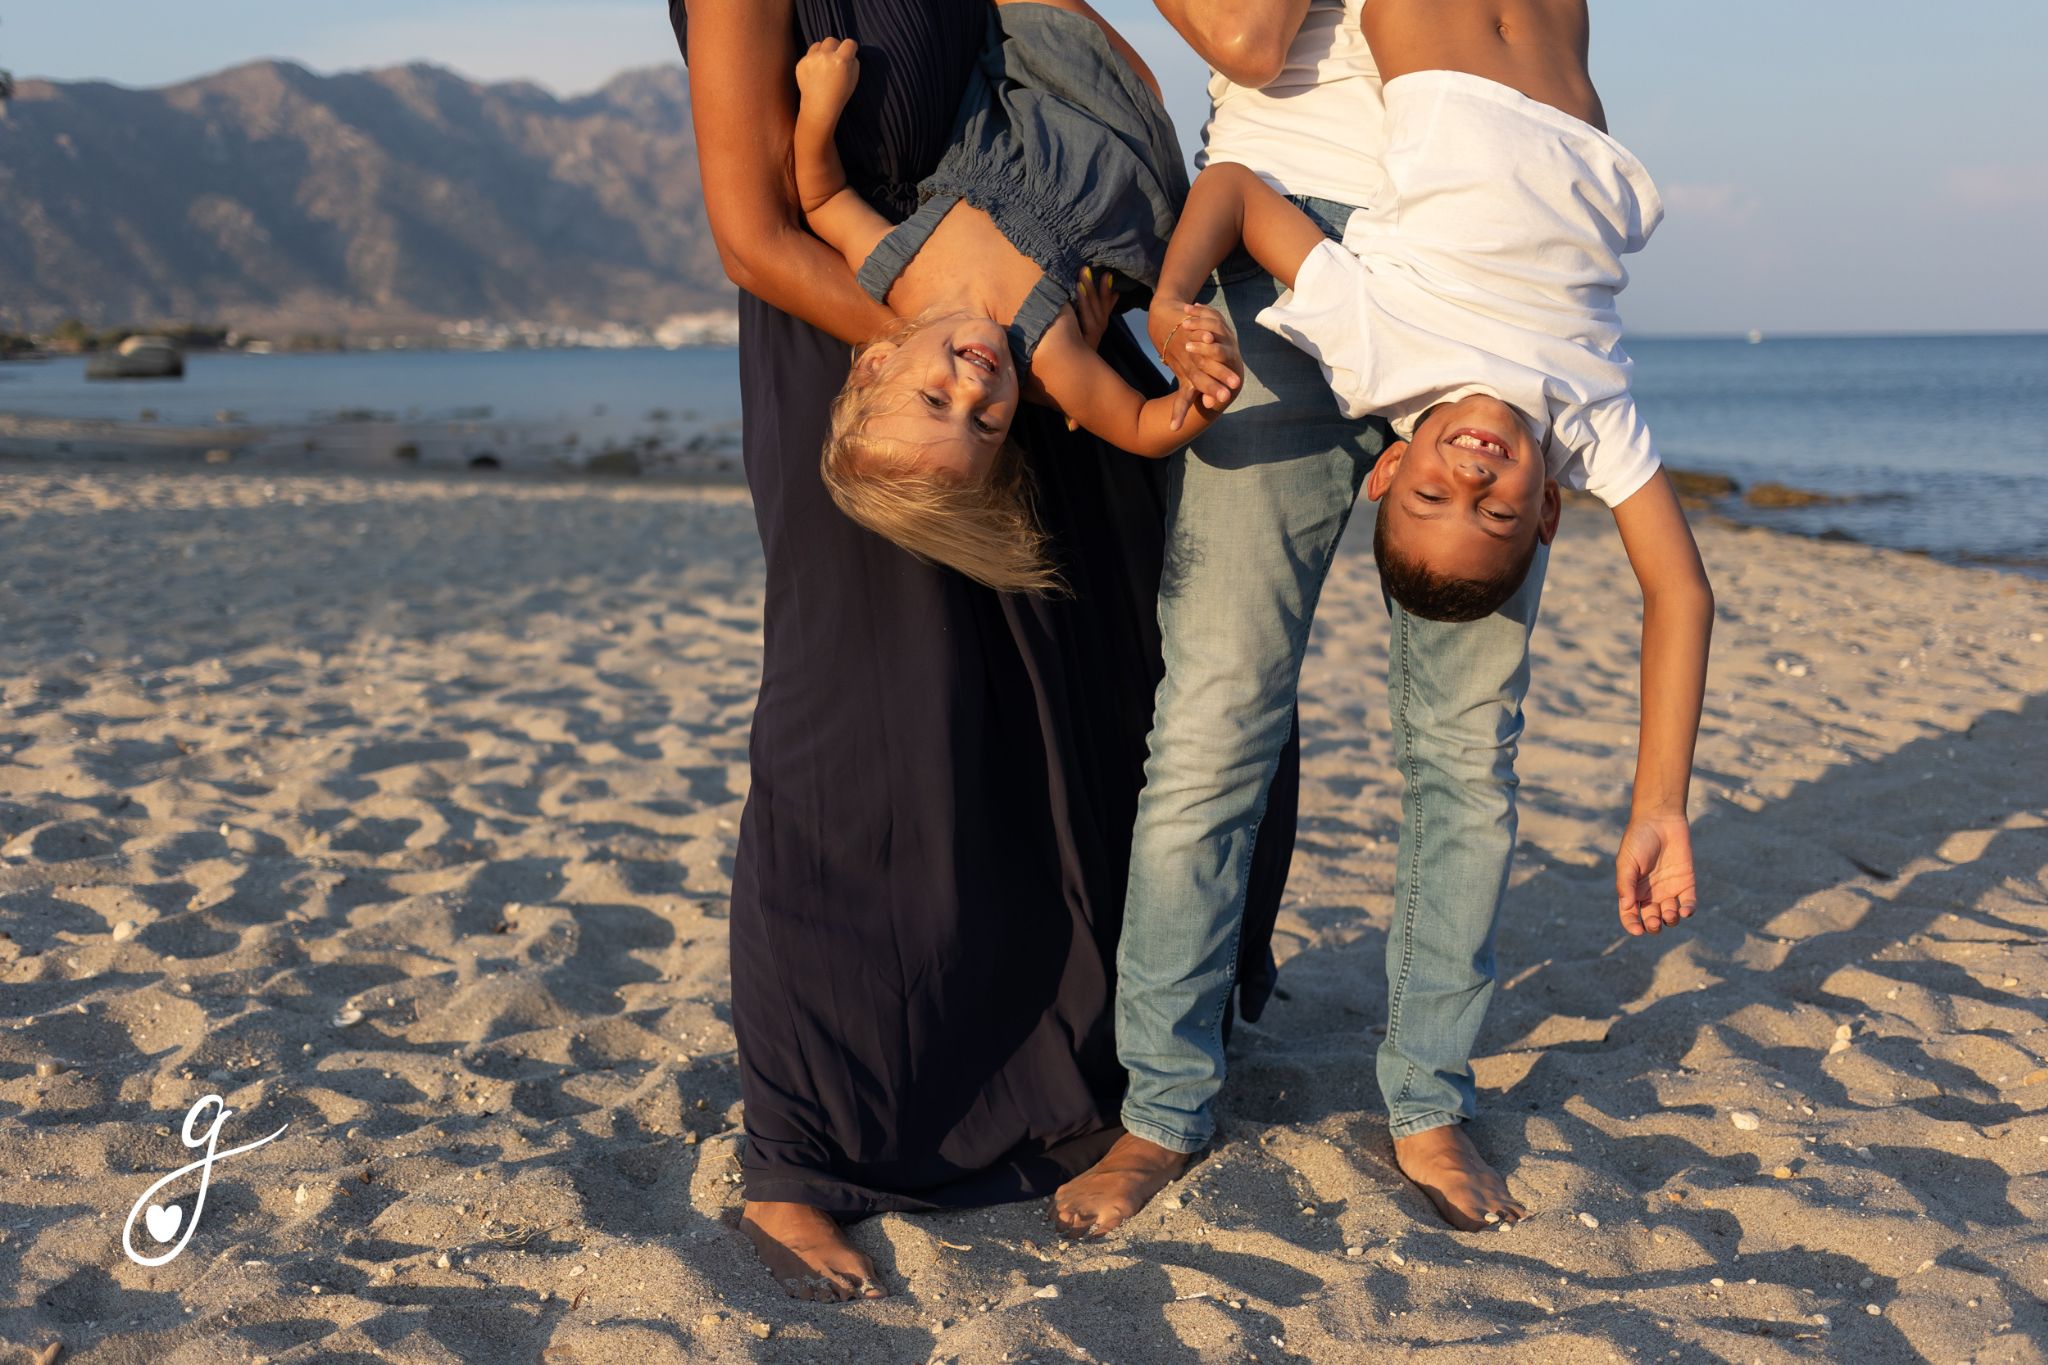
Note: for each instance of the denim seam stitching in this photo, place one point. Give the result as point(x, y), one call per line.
point(1413, 800)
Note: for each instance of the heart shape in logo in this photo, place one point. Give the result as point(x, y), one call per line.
point(163, 1221)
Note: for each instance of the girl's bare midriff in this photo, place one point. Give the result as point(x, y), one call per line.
point(967, 253)
point(1535, 46)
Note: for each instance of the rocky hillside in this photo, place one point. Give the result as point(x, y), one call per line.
point(272, 198)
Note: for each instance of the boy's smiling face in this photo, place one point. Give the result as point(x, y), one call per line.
point(1468, 492)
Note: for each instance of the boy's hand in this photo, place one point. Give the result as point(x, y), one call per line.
point(826, 76)
point(1653, 873)
point(1201, 350)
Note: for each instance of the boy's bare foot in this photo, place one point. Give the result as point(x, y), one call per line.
point(1101, 1198)
point(1443, 1164)
point(808, 1252)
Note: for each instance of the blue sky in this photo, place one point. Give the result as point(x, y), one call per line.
point(1827, 166)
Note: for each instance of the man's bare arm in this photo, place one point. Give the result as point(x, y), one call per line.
point(1246, 40)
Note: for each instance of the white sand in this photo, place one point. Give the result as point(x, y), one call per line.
point(468, 757)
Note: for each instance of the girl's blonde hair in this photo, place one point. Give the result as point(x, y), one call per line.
point(985, 528)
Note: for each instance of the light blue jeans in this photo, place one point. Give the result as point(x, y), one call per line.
point(1255, 509)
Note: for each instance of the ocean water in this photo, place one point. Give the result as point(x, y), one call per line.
point(516, 404)
point(1937, 444)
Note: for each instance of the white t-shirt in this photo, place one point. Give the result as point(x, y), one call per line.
point(1317, 128)
point(1489, 265)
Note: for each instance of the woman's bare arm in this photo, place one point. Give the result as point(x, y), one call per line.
point(1246, 40)
point(743, 100)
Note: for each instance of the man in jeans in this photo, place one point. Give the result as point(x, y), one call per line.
point(1256, 507)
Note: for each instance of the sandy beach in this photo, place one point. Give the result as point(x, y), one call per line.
point(399, 811)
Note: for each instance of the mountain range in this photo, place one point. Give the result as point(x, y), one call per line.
point(271, 198)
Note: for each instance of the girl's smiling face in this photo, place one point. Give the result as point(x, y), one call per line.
point(955, 393)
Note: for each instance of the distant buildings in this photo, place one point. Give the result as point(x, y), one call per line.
point(710, 328)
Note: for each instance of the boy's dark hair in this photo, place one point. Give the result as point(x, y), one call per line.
point(1423, 592)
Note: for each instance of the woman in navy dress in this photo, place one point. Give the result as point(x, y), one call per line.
point(931, 865)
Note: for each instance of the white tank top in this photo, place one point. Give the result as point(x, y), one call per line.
point(1319, 127)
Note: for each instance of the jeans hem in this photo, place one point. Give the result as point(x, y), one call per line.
point(1165, 1137)
point(1421, 1123)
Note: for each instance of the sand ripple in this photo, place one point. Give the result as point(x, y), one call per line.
point(402, 812)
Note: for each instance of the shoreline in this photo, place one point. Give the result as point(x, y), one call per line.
point(696, 452)
point(688, 449)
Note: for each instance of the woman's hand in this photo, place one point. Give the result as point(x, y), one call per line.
point(1201, 351)
point(1095, 304)
point(826, 76)
point(1653, 873)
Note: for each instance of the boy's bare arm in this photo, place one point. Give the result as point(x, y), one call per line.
point(825, 78)
point(1228, 205)
point(1654, 875)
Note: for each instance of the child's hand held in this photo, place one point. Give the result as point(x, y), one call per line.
point(1213, 356)
point(1199, 349)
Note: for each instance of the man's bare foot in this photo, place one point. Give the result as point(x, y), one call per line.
point(1468, 1193)
point(1099, 1200)
point(807, 1250)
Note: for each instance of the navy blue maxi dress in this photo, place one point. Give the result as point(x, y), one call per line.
point(931, 865)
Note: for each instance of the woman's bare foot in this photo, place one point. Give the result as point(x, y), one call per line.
point(1468, 1193)
point(807, 1250)
point(1099, 1200)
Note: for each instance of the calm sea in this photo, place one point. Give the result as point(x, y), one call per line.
point(1933, 443)
point(1938, 443)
